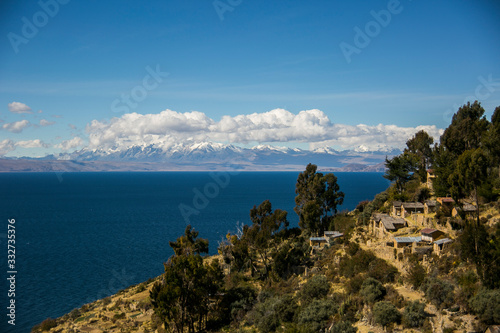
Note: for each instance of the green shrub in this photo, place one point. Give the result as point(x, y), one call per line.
point(342, 222)
point(119, 315)
point(379, 269)
point(414, 314)
point(315, 314)
point(273, 312)
point(145, 304)
point(444, 264)
point(290, 255)
point(361, 205)
point(343, 327)
point(286, 308)
point(47, 324)
point(386, 313)
point(358, 263)
point(141, 287)
point(375, 205)
point(352, 248)
point(354, 284)
point(235, 303)
point(393, 296)
point(268, 323)
point(468, 282)
point(438, 292)
point(423, 194)
point(74, 314)
point(372, 290)
point(349, 308)
point(315, 288)
point(416, 274)
point(486, 304)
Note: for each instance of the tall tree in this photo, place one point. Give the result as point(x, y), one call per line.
point(318, 196)
point(492, 139)
point(236, 253)
point(255, 242)
point(421, 146)
point(265, 225)
point(444, 165)
point(471, 171)
point(181, 298)
point(466, 130)
point(332, 196)
point(188, 244)
point(400, 169)
point(482, 248)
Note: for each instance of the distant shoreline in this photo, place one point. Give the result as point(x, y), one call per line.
point(33, 165)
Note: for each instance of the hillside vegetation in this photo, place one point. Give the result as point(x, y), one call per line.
point(272, 278)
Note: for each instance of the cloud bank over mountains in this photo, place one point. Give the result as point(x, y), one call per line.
point(169, 128)
point(193, 138)
point(172, 140)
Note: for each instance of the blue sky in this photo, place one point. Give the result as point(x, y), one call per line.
point(235, 58)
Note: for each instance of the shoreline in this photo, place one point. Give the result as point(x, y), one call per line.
point(32, 165)
point(129, 308)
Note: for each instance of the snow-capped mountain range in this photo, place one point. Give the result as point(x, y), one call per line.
point(205, 156)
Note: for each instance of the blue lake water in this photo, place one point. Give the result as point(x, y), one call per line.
point(84, 236)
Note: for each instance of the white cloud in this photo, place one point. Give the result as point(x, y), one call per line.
point(70, 144)
point(134, 128)
point(16, 127)
point(45, 122)
point(274, 126)
point(374, 137)
point(18, 107)
point(168, 128)
point(31, 144)
point(6, 146)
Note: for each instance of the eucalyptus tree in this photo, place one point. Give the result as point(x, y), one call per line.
point(318, 197)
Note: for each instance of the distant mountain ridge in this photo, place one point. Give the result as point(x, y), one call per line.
point(204, 156)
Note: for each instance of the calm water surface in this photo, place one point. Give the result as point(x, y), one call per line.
point(84, 236)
